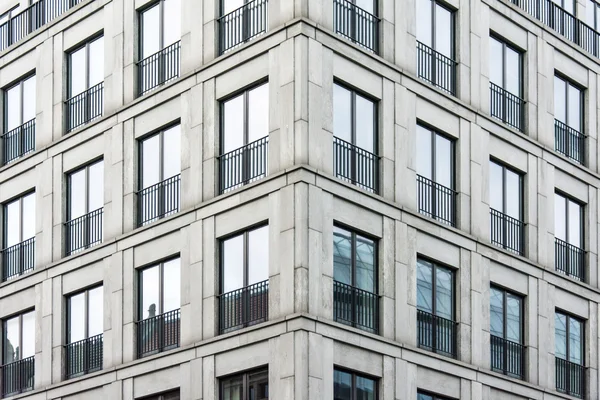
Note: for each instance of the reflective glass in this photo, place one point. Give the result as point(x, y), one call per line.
point(29, 99)
point(150, 292)
point(424, 153)
point(560, 98)
point(590, 13)
point(443, 31)
point(575, 342)
point(233, 388)
point(258, 113)
point(95, 311)
point(76, 317)
point(77, 194)
point(342, 257)
point(496, 312)
point(513, 71)
point(171, 285)
point(365, 388)
point(365, 264)
point(424, 22)
point(496, 187)
point(443, 161)
point(150, 31)
point(258, 255)
point(233, 124)
point(367, 5)
point(96, 49)
point(150, 161)
point(365, 124)
point(574, 108)
point(172, 22)
point(560, 335)
point(342, 385)
point(342, 113)
point(77, 72)
point(231, 5)
point(233, 263)
point(574, 224)
point(12, 337)
point(13, 108)
point(496, 62)
point(28, 335)
point(560, 223)
point(172, 152)
point(443, 295)
point(513, 195)
point(513, 318)
point(423, 396)
point(96, 186)
point(424, 286)
point(28, 216)
point(13, 223)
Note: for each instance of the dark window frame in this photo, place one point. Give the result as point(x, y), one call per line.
point(570, 316)
point(4, 320)
point(69, 296)
point(356, 374)
point(568, 82)
point(566, 219)
point(245, 375)
point(86, 44)
point(5, 205)
point(521, 176)
point(433, 133)
point(354, 232)
point(161, 153)
point(161, 26)
point(508, 45)
point(435, 265)
point(20, 83)
point(166, 395)
point(161, 299)
point(522, 321)
point(433, 396)
point(69, 175)
point(433, 26)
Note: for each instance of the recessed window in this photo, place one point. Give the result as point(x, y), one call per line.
point(241, 21)
point(170, 395)
point(422, 395)
point(18, 352)
point(569, 343)
point(568, 232)
point(253, 385)
point(19, 120)
point(349, 385)
point(568, 119)
point(357, 21)
point(18, 254)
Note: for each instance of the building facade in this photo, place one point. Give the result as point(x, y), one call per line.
point(299, 199)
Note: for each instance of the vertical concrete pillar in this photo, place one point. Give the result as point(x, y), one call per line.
point(114, 47)
point(192, 45)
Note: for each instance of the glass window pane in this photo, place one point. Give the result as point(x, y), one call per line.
point(560, 99)
point(365, 388)
point(513, 194)
point(513, 71)
point(496, 63)
point(342, 113)
point(96, 50)
point(365, 124)
point(233, 388)
point(172, 285)
point(233, 263)
point(230, 5)
point(172, 152)
point(575, 348)
point(76, 318)
point(590, 11)
point(96, 186)
point(13, 108)
point(12, 334)
point(28, 335)
point(424, 154)
point(574, 108)
point(575, 224)
point(28, 216)
point(342, 257)
point(77, 72)
point(443, 31)
point(13, 223)
point(172, 21)
point(258, 255)
point(443, 161)
point(29, 99)
point(496, 187)
point(443, 290)
point(365, 264)
point(424, 286)
point(95, 311)
point(150, 293)
point(150, 161)
point(424, 22)
point(513, 318)
point(560, 335)
point(342, 385)
point(150, 31)
point(77, 195)
point(560, 224)
point(233, 124)
point(423, 396)
point(258, 113)
point(497, 312)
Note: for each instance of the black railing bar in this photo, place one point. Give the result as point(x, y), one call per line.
point(257, 284)
point(176, 311)
point(89, 339)
point(239, 8)
point(438, 53)
point(85, 92)
point(17, 362)
point(434, 184)
point(18, 128)
point(438, 317)
point(97, 211)
point(158, 53)
point(499, 214)
point(21, 244)
point(508, 341)
point(352, 146)
point(174, 178)
point(264, 138)
point(568, 128)
point(361, 9)
point(504, 91)
point(357, 289)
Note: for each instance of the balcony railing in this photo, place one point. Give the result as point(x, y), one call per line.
point(508, 357)
point(507, 107)
point(437, 334)
point(569, 259)
point(18, 259)
point(244, 307)
point(159, 68)
point(436, 68)
point(242, 24)
point(17, 377)
point(507, 232)
point(159, 333)
point(356, 24)
point(569, 142)
point(243, 165)
point(83, 232)
point(159, 200)
point(84, 356)
point(570, 378)
point(85, 106)
point(32, 18)
point(355, 307)
point(436, 201)
point(18, 142)
point(355, 165)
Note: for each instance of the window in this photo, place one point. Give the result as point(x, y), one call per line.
point(170, 395)
point(506, 333)
point(160, 44)
point(86, 83)
point(422, 395)
point(6, 35)
point(570, 360)
point(85, 320)
point(160, 175)
point(355, 298)
point(244, 138)
point(568, 242)
point(244, 295)
point(356, 20)
point(506, 208)
point(241, 20)
point(18, 351)
point(352, 386)
point(506, 83)
point(568, 119)
point(19, 121)
point(355, 138)
point(253, 385)
point(436, 326)
point(18, 255)
point(159, 326)
point(85, 207)
point(435, 45)
point(435, 176)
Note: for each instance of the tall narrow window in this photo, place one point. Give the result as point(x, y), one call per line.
point(355, 298)
point(244, 138)
point(506, 333)
point(435, 45)
point(159, 308)
point(160, 44)
point(18, 351)
point(506, 208)
point(86, 83)
point(435, 308)
point(569, 255)
point(353, 386)
point(19, 120)
point(357, 21)
point(85, 317)
point(160, 175)
point(568, 120)
point(241, 21)
point(506, 84)
point(85, 210)
point(355, 158)
point(252, 385)
point(244, 297)
point(435, 176)
point(569, 350)
point(18, 254)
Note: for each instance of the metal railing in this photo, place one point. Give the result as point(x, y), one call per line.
point(84, 232)
point(242, 24)
point(18, 259)
point(355, 165)
point(508, 357)
point(507, 107)
point(436, 68)
point(569, 259)
point(569, 142)
point(355, 307)
point(159, 333)
point(85, 106)
point(436, 334)
point(84, 356)
point(159, 68)
point(436, 201)
point(18, 142)
point(244, 307)
point(243, 165)
point(17, 377)
point(159, 200)
point(32, 18)
point(356, 24)
point(507, 232)
point(570, 378)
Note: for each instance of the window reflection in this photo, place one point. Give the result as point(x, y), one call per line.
point(245, 259)
point(160, 26)
point(20, 102)
point(86, 190)
point(253, 385)
point(241, 127)
point(568, 215)
point(19, 220)
point(568, 338)
point(160, 289)
point(86, 66)
point(161, 156)
point(352, 386)
point(19, 337)
point(567, 103)
point(354, 260)
point(505, 190)
point(435, 27)
point(506, 320)
point(86, 314)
